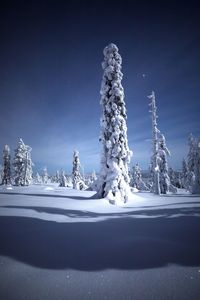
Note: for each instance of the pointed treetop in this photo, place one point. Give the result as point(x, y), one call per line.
point(191, 138)
point(110, 48)
point(6, 149)
point(152, 96)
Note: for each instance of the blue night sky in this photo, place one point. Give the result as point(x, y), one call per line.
point(50, 76)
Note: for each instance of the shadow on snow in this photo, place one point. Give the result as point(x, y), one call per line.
point(122, 243)
point(48, 195)
point(141, 211)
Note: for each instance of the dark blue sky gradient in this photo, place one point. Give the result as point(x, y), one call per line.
point(50, 76)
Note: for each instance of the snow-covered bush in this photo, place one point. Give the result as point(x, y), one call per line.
point(113, 182)
point(22, 164)
point(77, 180)
point(6, 172)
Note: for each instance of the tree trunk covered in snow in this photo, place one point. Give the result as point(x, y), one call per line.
point(6, 176)
point(113, 182)
point(154, 158)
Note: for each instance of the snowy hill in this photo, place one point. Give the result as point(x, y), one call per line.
point(58, 243)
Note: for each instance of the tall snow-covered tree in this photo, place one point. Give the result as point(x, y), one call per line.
point(77, 180)
point(22, 164)
point(159, 167)
point(194, 165)
point(6, 174)
point(154, 159)
point(113, 182)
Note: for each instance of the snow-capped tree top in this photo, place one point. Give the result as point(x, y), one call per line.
point(153, 110)
point(20, 142)
point(22, 149)
point(111, 58)
point(112, 72)
point(76, 163)
point(110, 49)
point(76, 160)
point(162, 144)
point(152, 96)
point(76, 153)
point(6, 150)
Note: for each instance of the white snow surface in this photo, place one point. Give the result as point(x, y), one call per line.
point(14, 200)
point(60, 243)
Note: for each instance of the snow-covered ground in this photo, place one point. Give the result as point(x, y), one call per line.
point(58, 243)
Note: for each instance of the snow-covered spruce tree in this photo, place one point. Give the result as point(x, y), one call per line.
point(57, 177)
point(136, 177)
point(93, 176)
point(184, 174)
point(77, 180)
point(45, 176)
point(154, 159)
point(194, 165)
point(37, 178)
point(22, 164)
point(1, 174)
point(172, 175)
point(69, 181)
point(136, 180)
point(6, 174)
point(62, 179)
point(113, 182)
point(90, 180)
point(163, 152)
